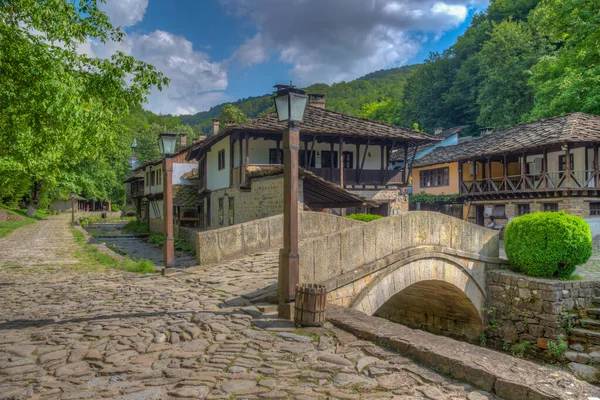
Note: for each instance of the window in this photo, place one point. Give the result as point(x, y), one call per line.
point(221, 210)
point(201, 171)
point(152, 178)
point(435, 177)
point(231, 210)
point(551, 207)
point(499, 211)
point(524, 209)
point(221, 156)
point(329, 159)
point(147, 178)
point(562, 162)
point(158, 177)
point(595, 208)
point(273, 156)
point(348, 160)
point(309, 159)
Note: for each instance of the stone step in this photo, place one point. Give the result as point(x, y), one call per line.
point(591, 324)
point(593, 312)
point(266, 308)
point(596, 300)
point(582, 335)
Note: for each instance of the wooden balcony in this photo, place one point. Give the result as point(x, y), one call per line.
point(355, 177)
point(531, 184)
point(136, 190)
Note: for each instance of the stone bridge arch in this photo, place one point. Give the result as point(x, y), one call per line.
point(426, 267)
point(435, 293)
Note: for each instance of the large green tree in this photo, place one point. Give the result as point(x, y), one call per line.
point(568, 79)
point(58, 107)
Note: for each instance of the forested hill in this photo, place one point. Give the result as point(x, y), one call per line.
point(518, 61)
point(346, 97)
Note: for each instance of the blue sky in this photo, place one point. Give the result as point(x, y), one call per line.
point(222, 50)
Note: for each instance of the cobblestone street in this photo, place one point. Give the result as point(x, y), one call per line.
point(70, 333)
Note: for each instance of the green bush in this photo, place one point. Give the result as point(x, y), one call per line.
point(548, 244)
point(115, 207)
point(364, 217)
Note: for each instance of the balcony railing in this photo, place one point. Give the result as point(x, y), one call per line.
point(136, 190)
point(559, 180)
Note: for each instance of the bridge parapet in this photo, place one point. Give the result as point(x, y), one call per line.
point(371, 246)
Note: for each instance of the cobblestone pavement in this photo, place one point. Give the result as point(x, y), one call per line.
point(71, 333)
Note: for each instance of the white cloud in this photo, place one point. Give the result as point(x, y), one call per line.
point(196, 82)
point(336, 40)
point(124, 12)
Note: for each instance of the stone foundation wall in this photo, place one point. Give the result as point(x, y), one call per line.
point(156, 225)
point(522, 308)
point(187, 234)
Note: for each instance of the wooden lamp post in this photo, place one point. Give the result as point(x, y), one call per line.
point(167, 143)
point(72, 208)
point(290, 104)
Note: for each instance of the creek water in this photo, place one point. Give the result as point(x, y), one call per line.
point(113, 234)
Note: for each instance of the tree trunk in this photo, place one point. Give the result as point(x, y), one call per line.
point(34, 202)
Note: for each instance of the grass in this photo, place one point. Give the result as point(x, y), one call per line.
point(179, 243)
point(93, 258)
point(7, 227)
point(137, 227)
point(84, 221)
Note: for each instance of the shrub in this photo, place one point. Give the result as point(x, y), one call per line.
point(364, 217)
point(115, 207)
point(548, 244)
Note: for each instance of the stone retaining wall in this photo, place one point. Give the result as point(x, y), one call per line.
point(523, 308)
point(263, 234)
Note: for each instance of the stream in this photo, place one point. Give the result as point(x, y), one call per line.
point(133, 245)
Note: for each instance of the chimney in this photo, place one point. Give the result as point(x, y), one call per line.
point(215, 126)
point(183, 141)
point(438, 131)
point(485, 131)
point(316, 100)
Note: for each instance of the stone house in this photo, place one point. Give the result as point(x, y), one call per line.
point(545, 165)
point(351, 154)
point(145, 189)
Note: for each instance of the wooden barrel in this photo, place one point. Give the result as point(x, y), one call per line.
point(310, 304)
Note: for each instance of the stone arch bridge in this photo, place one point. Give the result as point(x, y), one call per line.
point(422, 269)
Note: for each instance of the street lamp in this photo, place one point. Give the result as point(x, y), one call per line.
point(167, 143)
point(72, 195)
point(290, 104)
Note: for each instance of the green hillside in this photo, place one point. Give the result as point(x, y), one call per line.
point(345, 97)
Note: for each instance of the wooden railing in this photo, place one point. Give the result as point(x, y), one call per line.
point(558, 180)
point(136, 190)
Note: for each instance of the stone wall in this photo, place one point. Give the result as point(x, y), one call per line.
point(522, 308)
point(263, 234)
point(187, 234)
point(6, 216)
point(396, 198)
point(156, 225)
point(263, 199)
point(325, 259)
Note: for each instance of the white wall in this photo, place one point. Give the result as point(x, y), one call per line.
point(218, 179)
point(578, 159)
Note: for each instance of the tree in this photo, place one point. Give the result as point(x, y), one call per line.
point(568, 78)
point(231, 113)
point(505, 61)
point(60, 107)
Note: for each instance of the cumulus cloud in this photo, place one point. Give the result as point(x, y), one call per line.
point(124, 13)
point(196, 82)
point(338, 40)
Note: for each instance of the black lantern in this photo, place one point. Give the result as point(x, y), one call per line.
point(167, 144)
point(290, 103)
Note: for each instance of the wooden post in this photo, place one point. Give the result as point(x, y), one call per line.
point(241, 162)
point(460, 177)
point(545, 168)
point(405, 171)
point(596, 175)
point(73, 211)
point(305, 154)
point(247, 162)
point(505, 172)
point(341, 161)
point(568, 161)
point(312, 152)
point(278, 155)
point(231, 152)
point(289, 275)
point(489, 174)
point(331, 160)
point(523, 170)
point(169, 244)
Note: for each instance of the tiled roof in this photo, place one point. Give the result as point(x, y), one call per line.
point(575, 127)
point(318, 121)
point(185, 196)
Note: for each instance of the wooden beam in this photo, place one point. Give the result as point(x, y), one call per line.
point(231, 151)
point(312, 151)
point(545, 168)
point(568, 162)
point(412, 160)
point(388, 156)
point(247, 162)
point(405, 168)
point(357, 154)
point(278, 152)
point(241, 156)
point(460, 177)
point(596, 175)
point(363, 160)
point(305, 158)
point(341, 160)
